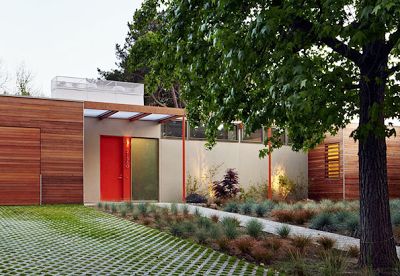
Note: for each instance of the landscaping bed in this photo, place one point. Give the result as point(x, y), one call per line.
point(340, 217)
point(299, 255)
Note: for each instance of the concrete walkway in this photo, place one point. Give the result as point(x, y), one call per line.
point(269, 226)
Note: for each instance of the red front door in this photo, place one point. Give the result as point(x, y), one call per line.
point(111, 168)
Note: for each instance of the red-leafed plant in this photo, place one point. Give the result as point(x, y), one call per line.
point(228, 187)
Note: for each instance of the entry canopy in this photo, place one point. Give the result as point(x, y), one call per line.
point(129, 112)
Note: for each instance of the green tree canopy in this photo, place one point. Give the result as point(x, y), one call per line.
point(306, 66)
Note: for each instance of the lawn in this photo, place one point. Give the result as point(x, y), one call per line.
point(79, 240)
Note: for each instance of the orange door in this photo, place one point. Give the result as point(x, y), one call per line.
point(111, 168)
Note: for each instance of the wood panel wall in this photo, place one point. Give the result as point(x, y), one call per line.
point(19, 166)
point(320, 187)
point(61, 129)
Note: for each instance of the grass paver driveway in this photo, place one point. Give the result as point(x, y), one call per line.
point(78, 240)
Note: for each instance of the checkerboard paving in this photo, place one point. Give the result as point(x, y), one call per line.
point(77, 240)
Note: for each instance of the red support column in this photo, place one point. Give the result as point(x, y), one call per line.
point(269, 165)
point(183, 159)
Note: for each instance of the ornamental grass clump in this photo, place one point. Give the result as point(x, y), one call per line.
point(353, 251)
point(395, 218)
point(215, 218)
point(254, 228)
point(204, 222)
point(122, 211)
point(301, 242)
point(261, 254)
point(106, 206)
point(283, 231)
point(100, 205)
point(177, 230)
point(185, 210)
point(174, 209)
point(113, 208)
point(232, 207)
point(324, 222)
point(333, 263)
point(215, 231)
point(352, 226)
point(223, 243)
point(326, 243)
point(247, 208)
point(201, 236)
point(143, 208)
point(244, 244)
point(135, 214)
point(230, 227)
point(130, 206)
point(261, 209)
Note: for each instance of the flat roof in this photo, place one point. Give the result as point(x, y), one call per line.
point(130, 112)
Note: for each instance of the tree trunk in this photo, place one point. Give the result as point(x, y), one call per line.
point(377, 245)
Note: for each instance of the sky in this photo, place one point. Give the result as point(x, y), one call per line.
point(61, 37)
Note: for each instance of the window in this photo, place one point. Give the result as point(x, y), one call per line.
point(222, 133)
point(171, 129)
point(254, 137)
point(332, 161)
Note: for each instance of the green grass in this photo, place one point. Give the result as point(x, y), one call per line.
point(72, 239)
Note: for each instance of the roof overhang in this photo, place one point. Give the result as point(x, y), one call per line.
point(130, 112)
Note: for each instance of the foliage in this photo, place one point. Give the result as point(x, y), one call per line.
point(326, 243)
point(247, 208)
point(177, 230)
point(261, 209)
point(100, 205)
point(232, 207)
point(228, 187)
point(333, 264)
point(282, 186)
point(185, 210)
point(204, 222)
point(201, 235)
point(113, 208)
point(256, 192)
point(396, 219)
point(195, 198)
point(230, 227)
point(324, 222)
point(143, 208)
point(301, 242)
point(254, 228)
point(353, 251)
point(174, 209)
point(245, 244)
point(283, 231)
point(214, 218)
point(215, 231)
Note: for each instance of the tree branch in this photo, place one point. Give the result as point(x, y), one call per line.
point(393, 70)
point(335, 44)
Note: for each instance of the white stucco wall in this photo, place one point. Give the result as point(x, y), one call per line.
point(241, 156)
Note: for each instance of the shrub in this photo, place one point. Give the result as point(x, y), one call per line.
point(196, 198)
point(230, 220)
point(176, 230)
point(260, 210)
point(326, 243)
point(147, 221)
point(334, 263)
point(342, 216)
point(197, 212)
point(283, 215)
point(130, 206)
point(223, 243)
point(123, 212)
point(143, 208)
point(352, 225)
point(353, 251)
point(302, 216)
point(247, 208)
point(204, 222)
point(254, 228)
point(135, 215)
point(244, 244)
point(228, 187)
point(261, 254)
point(232, 207)
point(157, 215)
point(281, 184)
point(174, 209)
point(324, 222)
point(185, 210)
point(201, 235)
point(152, 208)
point(301, 242)
point(106, 206)
point(188, 227)
point(395, 218)
point(215, 231)
point(230, 228)
point(113, 208)
point(283, 231)
point(215, 218)
point(99, 205)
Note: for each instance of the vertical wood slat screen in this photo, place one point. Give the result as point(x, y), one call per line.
point(332, 161)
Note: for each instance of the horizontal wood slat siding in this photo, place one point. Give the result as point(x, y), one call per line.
point(319, 186)
point(19, 166)
point(61, 127)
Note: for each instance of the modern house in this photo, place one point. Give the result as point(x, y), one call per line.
point(95, 140)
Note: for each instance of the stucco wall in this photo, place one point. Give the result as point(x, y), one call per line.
point(241, 156)
point(93, 129)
